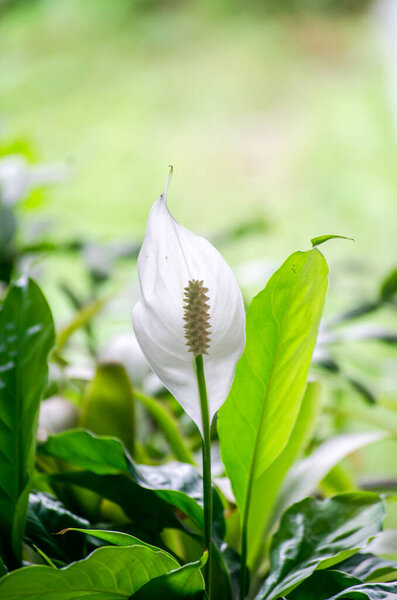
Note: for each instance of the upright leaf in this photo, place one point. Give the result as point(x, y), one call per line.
point(108, 404)
point(27, 335)
point(256, 421)
point(319, 534)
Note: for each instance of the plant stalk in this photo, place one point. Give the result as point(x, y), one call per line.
point(206, 470)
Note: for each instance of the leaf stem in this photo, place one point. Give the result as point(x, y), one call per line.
point(206, 470)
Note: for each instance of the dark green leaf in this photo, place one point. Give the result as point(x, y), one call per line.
point(316, 241)
point(270, 380)
point(369, 591)
point(389, 286)
point(323, 584)
point(185, 583)
point(109, 573)
point(117, 538)
point(27, 335)
point(318, 534)
point(46, 516)
point(367, 567)
point(108, 404)
point(147, 493)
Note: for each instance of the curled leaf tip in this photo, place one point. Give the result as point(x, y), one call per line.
point(316, 241)
point(164, 194)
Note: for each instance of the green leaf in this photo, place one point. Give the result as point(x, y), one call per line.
point(322, 584)
point(117, 538)
point(367, 567)
point(266, 487)
point(316, 241)
point(109, 573)
point(305, 476)
point(389, 286)
point(147, 493)
point(46, 516)
point(108, 404)
point(384, 543)
point(265, 398)
point(185, 583)
point(168, 426)
point(369, 591)
point(319, 534)
point(27, 335)
point(84, 316)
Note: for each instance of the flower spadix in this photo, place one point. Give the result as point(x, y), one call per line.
point(190, 305)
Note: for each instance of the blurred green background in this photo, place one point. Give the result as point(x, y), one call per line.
point(279, 118)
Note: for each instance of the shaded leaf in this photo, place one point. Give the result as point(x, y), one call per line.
point(305, 476)
point(153, 489)
point(46, 516)
point(185, 583)
point(108, 404)
point(27, 335)
point(369, 591)
point(322, 584)
point(319, 534)
point(389, 286)
point(366, 566)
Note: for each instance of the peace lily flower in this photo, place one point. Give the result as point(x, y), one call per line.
point(190, 305)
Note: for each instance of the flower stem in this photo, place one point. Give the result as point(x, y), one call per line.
point(206, 470)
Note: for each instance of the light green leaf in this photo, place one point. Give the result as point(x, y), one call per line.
point(265, 488)
point(256, 421)
point(319, 534)
point(27, 335)
point(108, 404)
point(305, 476)
point(109, 573)
point(321, 239)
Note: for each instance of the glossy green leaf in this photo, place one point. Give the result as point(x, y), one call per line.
point(319, 534)
point(108, 404)
point(323, 584)
point(146, 490)
point(109, 573)
point(367, 567)
point(265, 488)
point(265, 398)
point(184, 583)
point(305, 476)
point(369, 591)
point(321, 239)
point(27, 336)
point(46, 516)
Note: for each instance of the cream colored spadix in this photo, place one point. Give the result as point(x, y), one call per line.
point(190, 303)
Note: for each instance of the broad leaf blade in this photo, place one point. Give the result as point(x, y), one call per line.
point(270, 380)
point(369, 591)
point(323, 584)
point(109, 573)
point(305, 476)
point(319, 534)
point(27, 336)
point(184, 583)
point(46, 516)
point(158, 487)
point(266, 487)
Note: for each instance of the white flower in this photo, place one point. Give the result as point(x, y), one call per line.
point(168, 320)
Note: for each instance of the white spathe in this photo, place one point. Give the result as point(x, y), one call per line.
point(170, 257)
